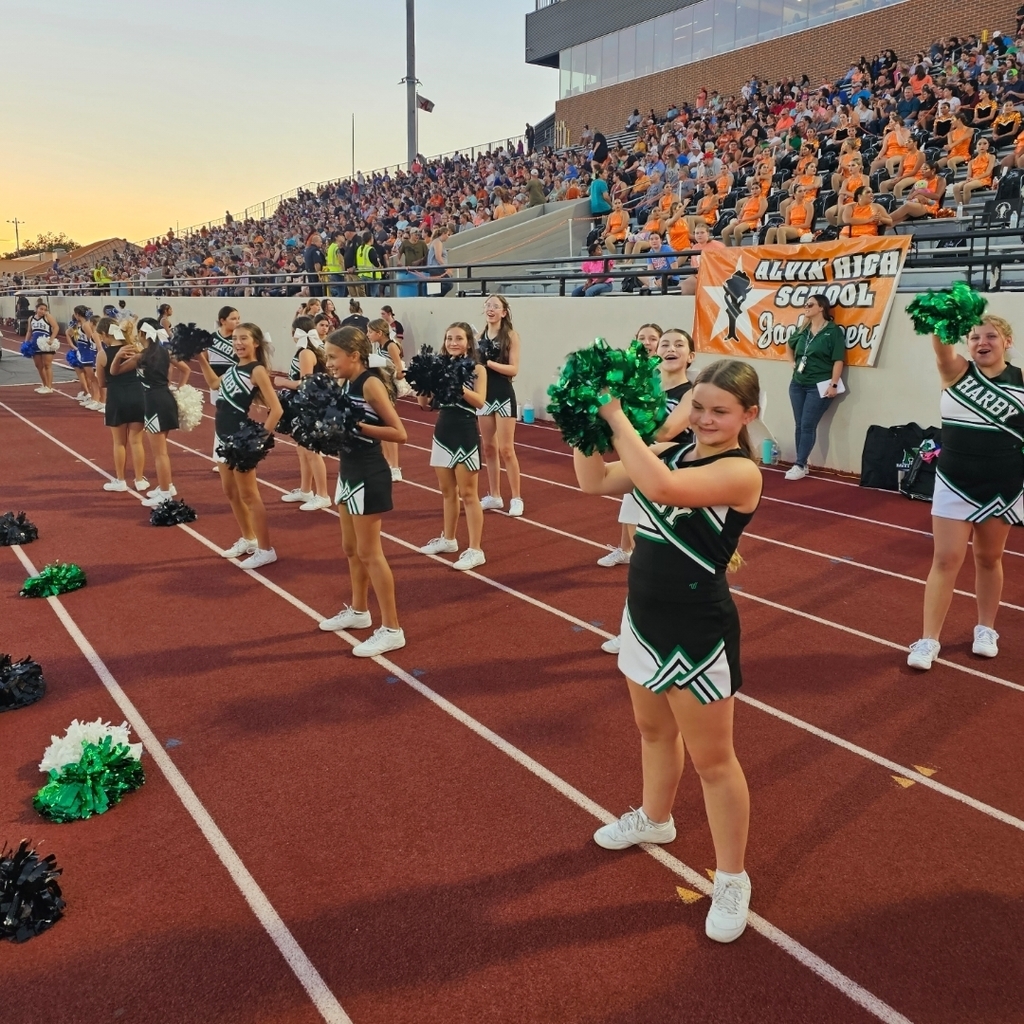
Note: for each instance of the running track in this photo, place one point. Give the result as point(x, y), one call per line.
point(322, 838)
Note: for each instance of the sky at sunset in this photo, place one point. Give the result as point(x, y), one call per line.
point(128, 118)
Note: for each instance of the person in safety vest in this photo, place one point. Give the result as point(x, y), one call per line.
point(334, 265)
point(368, 264)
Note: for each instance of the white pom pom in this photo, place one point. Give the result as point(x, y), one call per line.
point(67, 749)
point(190, 407)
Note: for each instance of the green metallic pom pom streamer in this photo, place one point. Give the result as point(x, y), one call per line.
point(589, 377)
point(57, 578)
point(948, 313)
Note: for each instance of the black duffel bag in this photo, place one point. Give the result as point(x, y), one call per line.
point(884, 451)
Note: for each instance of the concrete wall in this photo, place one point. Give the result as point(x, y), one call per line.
point(902, 387)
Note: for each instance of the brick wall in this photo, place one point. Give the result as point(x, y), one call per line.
point(820, 53)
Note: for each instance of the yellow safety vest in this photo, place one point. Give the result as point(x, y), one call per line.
point(333, 264)
point(363, 265)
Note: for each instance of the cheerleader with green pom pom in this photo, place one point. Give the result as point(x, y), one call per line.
point(680, 633)
point(979, 480)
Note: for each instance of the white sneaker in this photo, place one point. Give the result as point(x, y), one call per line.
point(173, 491)
point(116, 485)
point(316, 503)
point(156, 497)
point(986, 642)
point(142, 485)
point(216, 467)
point(923, 653)
point(730, 902)
point(259, 558)
point(396, 474)
point(296, 495)
point(489, 503)
point(82, 396)
point(99, 406)
point(42, 390)
point(239, 548)
point(615, 557)
point(796, 472)
point(382, 641)
point(440, 546)
point(347, 618)
point(515, 508)
point(612, 646)
point(92, 404)
point(633, 828)
point(469, 559)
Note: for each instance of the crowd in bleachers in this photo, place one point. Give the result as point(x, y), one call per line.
point(892, 140)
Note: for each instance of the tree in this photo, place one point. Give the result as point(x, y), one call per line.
point(44, 243)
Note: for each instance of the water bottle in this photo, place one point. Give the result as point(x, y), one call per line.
point(776, 454)
point(527, 412)
point(767, 446)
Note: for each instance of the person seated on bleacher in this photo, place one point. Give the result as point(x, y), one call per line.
point(1016, 158)
point(894, 146)
point(979, 174)
point(809, 181)
point(1006, 125)
point(984, 112)
point(941, 125)
point(848, 153)
point(908, 171)
point(707, 209)
point(864, 216)
point(640, 241)
point(925, 198)
point(1013, 88)
point(799, 219)
point(616, 226)
point(660, 258)
point(701, 240)
point(677, 228)
point(598, 282)
point(749, 218)
point(958, 144)
point(855, 180)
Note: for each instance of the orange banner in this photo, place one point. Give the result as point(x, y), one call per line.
point(749, 300)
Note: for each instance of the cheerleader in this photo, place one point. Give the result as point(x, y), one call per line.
point(379, 333)
point(500, 346)
point(164, 319)
point(455, 455)
point(364, 494)
point(41, 344)
point(649, 335)
point(160, 407)
point(236, 388)
point(307, 360)
point(125, 407)
point(222, 354)
point(979, 482)
point(680, 629)
point(82, 357)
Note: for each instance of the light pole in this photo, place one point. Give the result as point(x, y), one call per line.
point(410, 79)
point(17, 238)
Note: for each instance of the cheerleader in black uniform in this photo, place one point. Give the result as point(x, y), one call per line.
point(160, 407)
point(364, 494)
point(41, 344)
point(306, 360)
point(221, 354)
point(455, 456)
point(979, 482)
point(125, 407)
point(386, 347)
point(165, 321)
point(235, 389)
point(680, 629)
point(499, 345)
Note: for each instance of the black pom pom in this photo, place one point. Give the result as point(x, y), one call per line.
point(286, 396)
point(325, 418)
point(187, 341)
point(30, 898)
point(171, 512)
point(21, 683)
point(246, 447)
point(16, 529)
point(488, 349)
point(451, 376)
point(419, 374)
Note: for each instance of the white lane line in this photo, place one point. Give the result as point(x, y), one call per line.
point(302, 967)
point(824, 970)
point(589, 627)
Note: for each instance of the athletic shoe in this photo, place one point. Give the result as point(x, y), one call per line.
point(923, 653)
point(91, 403)
point(156, 496)
point(633, 828)
point(396, 474)
point(440, 546)
point(42, 390)
point(100, 407)
point(347, 618)
point(469, 559)
point(116, 485)
point(142, 485)
point(316, 503)
point(173, 491)
point(515, 508)
point(298, 495)
point(239, 548)
point(216, 468)
point(382, 641)
point(615, 557)
point(489, 502)
point(796, 472)
point(986, 642)
point(612, 646)
point(730, 901)
point(82, 396)
point(259, 558)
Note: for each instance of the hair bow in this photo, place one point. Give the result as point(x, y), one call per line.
point(151, 332)
point(115, 332)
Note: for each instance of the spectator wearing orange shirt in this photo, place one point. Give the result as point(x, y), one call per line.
point(616, 227)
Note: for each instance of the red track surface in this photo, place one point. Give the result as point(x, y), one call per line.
point(427, 874)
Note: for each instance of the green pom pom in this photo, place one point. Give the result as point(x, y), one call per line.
point(94, 784)
point(630, 375)
point(948, 313)
point(57, 578)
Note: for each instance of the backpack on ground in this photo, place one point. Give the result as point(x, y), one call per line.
point(885, 449)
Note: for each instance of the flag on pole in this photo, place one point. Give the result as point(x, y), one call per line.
point(424, 104)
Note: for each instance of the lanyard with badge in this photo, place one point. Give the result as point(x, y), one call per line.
point(802, 357)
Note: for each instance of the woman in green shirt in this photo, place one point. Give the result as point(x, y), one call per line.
point(817, 350)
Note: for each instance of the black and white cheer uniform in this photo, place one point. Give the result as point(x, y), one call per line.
point(221, 354)
point(980, 474)
point(456, 437)
point(160, 406)
point(234, 398)
point(680, 627)
point(364, 479)
point(126, 402)
point(501, 396)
